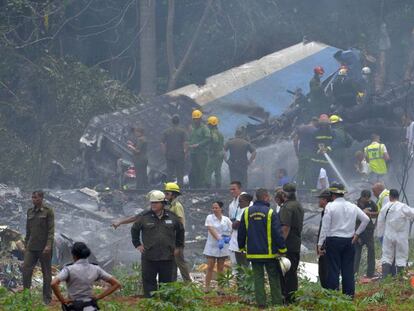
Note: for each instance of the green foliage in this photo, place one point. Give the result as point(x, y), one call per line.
point(245, 283)
point(311, 296)
point(225, 278)
point(20, 301)
point(130, 278)
point(175, 296)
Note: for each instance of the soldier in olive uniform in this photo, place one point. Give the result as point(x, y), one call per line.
point(138, 146)
point(40, 231)
point(157, 235)
point(198, 145)
point(215, 152)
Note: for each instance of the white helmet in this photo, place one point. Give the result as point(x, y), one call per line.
point(284, 264)
point(156, 196)
point(366, 71)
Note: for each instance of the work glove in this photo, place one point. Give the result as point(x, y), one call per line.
point(220, 243)
point(226, 239)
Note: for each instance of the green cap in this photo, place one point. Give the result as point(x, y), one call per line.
point(289, 187)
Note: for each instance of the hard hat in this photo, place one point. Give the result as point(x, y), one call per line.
point(335, 119)
point(366, 71)
point(337, 188)
point(323, 118)
point(289, 187)
point(212, 120)
point(326, 194)
point(156, 196)
point(343, 71)
point(197, 114)
point(172, 187)
point(284, 264)
point(319, 70)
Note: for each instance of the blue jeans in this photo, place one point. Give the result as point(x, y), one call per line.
point(340, 253)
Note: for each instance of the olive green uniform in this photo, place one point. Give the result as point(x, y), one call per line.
point(177, 208)
point(141, 162)
point(40, 231)
point(199, 156)
point(215, 157)
point(238, 161)
point(160, 236)
point(291, 214)
point(174, 139)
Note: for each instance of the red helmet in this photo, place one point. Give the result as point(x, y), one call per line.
point(319, 70)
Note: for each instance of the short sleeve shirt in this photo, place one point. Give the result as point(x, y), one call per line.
point(223, 227)
point(80, 277)
point(291, 214)
point(178, 209)
point(238, 148)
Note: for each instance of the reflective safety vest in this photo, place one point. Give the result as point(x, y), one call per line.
point(380, 200)
point(270, 253)
point(375, 156)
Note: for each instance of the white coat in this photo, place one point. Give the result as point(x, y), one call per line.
point(394, 226)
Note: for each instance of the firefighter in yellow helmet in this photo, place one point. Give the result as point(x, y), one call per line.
point(199, 141)
point(215, 152)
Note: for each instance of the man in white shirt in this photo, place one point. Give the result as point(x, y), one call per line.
point(235, 212)
point(394, 227)
point(323, 181)
point(338, 231)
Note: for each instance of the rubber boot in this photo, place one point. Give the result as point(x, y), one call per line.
point(386, 270)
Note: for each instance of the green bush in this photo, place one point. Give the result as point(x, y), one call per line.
point(311, 296)
point(130, 279)
point(175, 296)
point(23, 301)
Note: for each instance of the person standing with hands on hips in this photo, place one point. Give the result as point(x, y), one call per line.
point(157, 235)
point(217, 244)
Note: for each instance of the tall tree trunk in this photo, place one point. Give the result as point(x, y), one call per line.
point(176, 71)
point(409, 72)
point(147, 42)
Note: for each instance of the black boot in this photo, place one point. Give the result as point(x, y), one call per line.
point(386, 270)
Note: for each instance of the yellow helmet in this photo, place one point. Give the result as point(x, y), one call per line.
point(335, 119)
point(212, 120)
point(197, 114)
point(172, 186)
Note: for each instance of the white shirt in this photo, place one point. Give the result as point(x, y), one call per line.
point(235, 212)
point(339, 220)
point(223, 227)
point(394, 220)
point(323, 176)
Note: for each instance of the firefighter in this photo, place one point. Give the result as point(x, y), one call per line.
point(172, 192)
point(157, 235)
point(318, 101)
point(260, 235)
point(344, 90)
point(198, 146)
point(322, 144)
point(341, 140)
point(215, 152)
point(377, 156)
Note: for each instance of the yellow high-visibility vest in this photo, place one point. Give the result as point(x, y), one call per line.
point(380, 200)
point(375, 157)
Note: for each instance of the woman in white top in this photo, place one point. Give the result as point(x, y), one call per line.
point(217, 247)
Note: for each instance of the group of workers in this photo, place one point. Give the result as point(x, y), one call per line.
point(203, 144)
point(253, 234)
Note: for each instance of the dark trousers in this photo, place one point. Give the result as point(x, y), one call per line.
point(30, 260)
point(304, 172)
point(340, 253)
point(323, 267)
point(238, 172)
point(368, 240)
point(181, 264)
point(150, 270)
point(274, 282)
point(198, 173)
point(141, 174)
point(175, 167)
point(241, 259)
point(290, 282)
